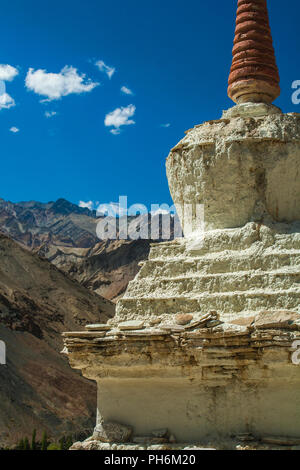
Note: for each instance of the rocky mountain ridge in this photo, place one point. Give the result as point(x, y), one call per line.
point(66, 235)
point(37, 303)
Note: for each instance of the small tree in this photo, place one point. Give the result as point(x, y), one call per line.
point(33, 440)
point(26, 444)
point(45, 443)
point(21, 445)
point(69, 442)
point(62, 443)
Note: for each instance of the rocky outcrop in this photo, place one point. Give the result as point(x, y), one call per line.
point(107, 268)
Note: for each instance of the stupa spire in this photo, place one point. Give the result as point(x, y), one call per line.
point(254, 74)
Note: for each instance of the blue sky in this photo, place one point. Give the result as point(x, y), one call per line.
point(174, 56)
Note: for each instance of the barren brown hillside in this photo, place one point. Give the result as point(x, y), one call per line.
point(38, 389)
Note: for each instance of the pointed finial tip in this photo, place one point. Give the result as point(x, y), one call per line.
point(254, 74)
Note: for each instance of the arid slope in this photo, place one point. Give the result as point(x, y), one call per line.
point(38, 388)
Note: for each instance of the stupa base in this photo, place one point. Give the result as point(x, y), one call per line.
point(204, 385)
point(203, 342)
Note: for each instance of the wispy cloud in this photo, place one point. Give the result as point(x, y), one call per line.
point(56, 85)
point(166, 125)
point(6, 101)
point(115, 131)
point(126, 90)
point(105, 68)
point(86, 205)
point(120, 117)
point(50, 114)
point(14, 129)
point(8, 72)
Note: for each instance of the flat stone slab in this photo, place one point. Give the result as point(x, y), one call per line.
point(98, 327)
point(173, 328)
point(243, 321)
point(145, 333)
point(150, 440)
point(84, 334)
point(277, 319)
point(281, 440)
point(131, 325)
point(200, 322)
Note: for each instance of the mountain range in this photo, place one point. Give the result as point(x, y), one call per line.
point(66, 235)
point(55, 276)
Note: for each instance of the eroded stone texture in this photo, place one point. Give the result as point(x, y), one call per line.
point(231, 275)
point(240, 168)
point(254, 75)
point(112, 432)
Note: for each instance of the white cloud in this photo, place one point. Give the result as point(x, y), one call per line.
point(86, 205)
point(126, 90)
point(112, 209)
point(120, 117)
point(105, 68)
point(14, 129)
point(6, 101)
point(50, 114)
point(7, 72)
point(56, 85)
point(166, 125)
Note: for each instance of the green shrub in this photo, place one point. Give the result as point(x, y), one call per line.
point(54, 446)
